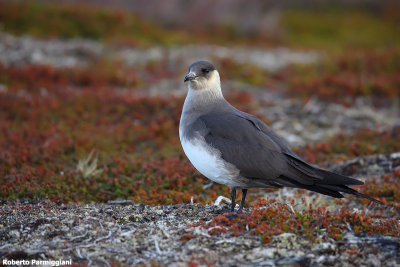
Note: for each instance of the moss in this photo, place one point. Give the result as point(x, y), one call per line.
point(72, 21)
point(339, 28)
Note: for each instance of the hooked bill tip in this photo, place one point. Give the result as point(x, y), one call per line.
point(190, 76)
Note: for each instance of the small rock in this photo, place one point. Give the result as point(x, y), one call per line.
point(324, 247)
point(135, 218)
point(15, 234)
point(288, 240)
point(374, 261)
point(263, 253)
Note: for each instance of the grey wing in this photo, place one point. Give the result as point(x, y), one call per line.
point(259, 124)
point(247, 144)
point(299, 172)
point(264, 158)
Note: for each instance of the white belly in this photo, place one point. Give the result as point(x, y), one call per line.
point(208, 161)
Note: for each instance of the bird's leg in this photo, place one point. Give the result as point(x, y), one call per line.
point(244, 192)
point(233, 198)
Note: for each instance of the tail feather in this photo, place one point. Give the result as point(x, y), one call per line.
point(315, 187)
point(315, 174)
point(338, 179)
point(348, 190)
point(303, 175)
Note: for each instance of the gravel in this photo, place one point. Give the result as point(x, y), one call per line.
point(62, 53)
point(58, 53)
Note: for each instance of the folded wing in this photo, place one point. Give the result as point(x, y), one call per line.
point(264, 158)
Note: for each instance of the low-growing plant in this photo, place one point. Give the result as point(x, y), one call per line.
point(269, 218)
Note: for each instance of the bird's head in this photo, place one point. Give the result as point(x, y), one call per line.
point(203, 75)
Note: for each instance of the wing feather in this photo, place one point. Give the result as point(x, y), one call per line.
point(265, 158)
point(254, 153)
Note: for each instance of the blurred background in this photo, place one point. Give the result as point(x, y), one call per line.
point(91, 91)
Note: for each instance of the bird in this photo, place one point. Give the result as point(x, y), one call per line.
point(237, 149)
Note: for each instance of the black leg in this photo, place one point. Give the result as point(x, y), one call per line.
point(233, 198)
point(244, 192)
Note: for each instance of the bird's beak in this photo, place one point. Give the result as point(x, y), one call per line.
point(190, 76)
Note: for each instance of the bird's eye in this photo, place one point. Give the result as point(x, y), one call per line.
point(205, 70)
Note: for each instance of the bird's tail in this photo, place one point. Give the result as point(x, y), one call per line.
point(321, 181)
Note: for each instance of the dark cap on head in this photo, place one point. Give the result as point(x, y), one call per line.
point(199, 68)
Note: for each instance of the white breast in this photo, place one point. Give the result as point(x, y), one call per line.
point(208, 161)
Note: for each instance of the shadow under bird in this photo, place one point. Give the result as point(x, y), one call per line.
point(237, 149)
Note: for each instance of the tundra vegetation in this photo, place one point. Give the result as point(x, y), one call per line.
point(87, 117)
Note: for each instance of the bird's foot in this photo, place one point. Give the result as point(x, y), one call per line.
point(240, 210)
point(221, 211)
point(229, 211)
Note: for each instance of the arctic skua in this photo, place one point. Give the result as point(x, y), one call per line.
point(237, 149)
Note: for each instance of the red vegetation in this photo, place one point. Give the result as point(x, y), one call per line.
point(354, 73)
point(341, 79)
point(269, 218)
point(386, 188)
point(53, 118)
point(344, 147)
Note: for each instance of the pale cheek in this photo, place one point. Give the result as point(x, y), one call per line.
point(199, 83)
point(203, 83)
point(214, 83)
point(211, 82)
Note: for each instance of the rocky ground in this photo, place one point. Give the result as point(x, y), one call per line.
point(82, 52)
point(127, 233)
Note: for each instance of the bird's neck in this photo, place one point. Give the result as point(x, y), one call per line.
point(200, 101)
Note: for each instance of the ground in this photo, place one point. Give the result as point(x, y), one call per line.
point(128, 233)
